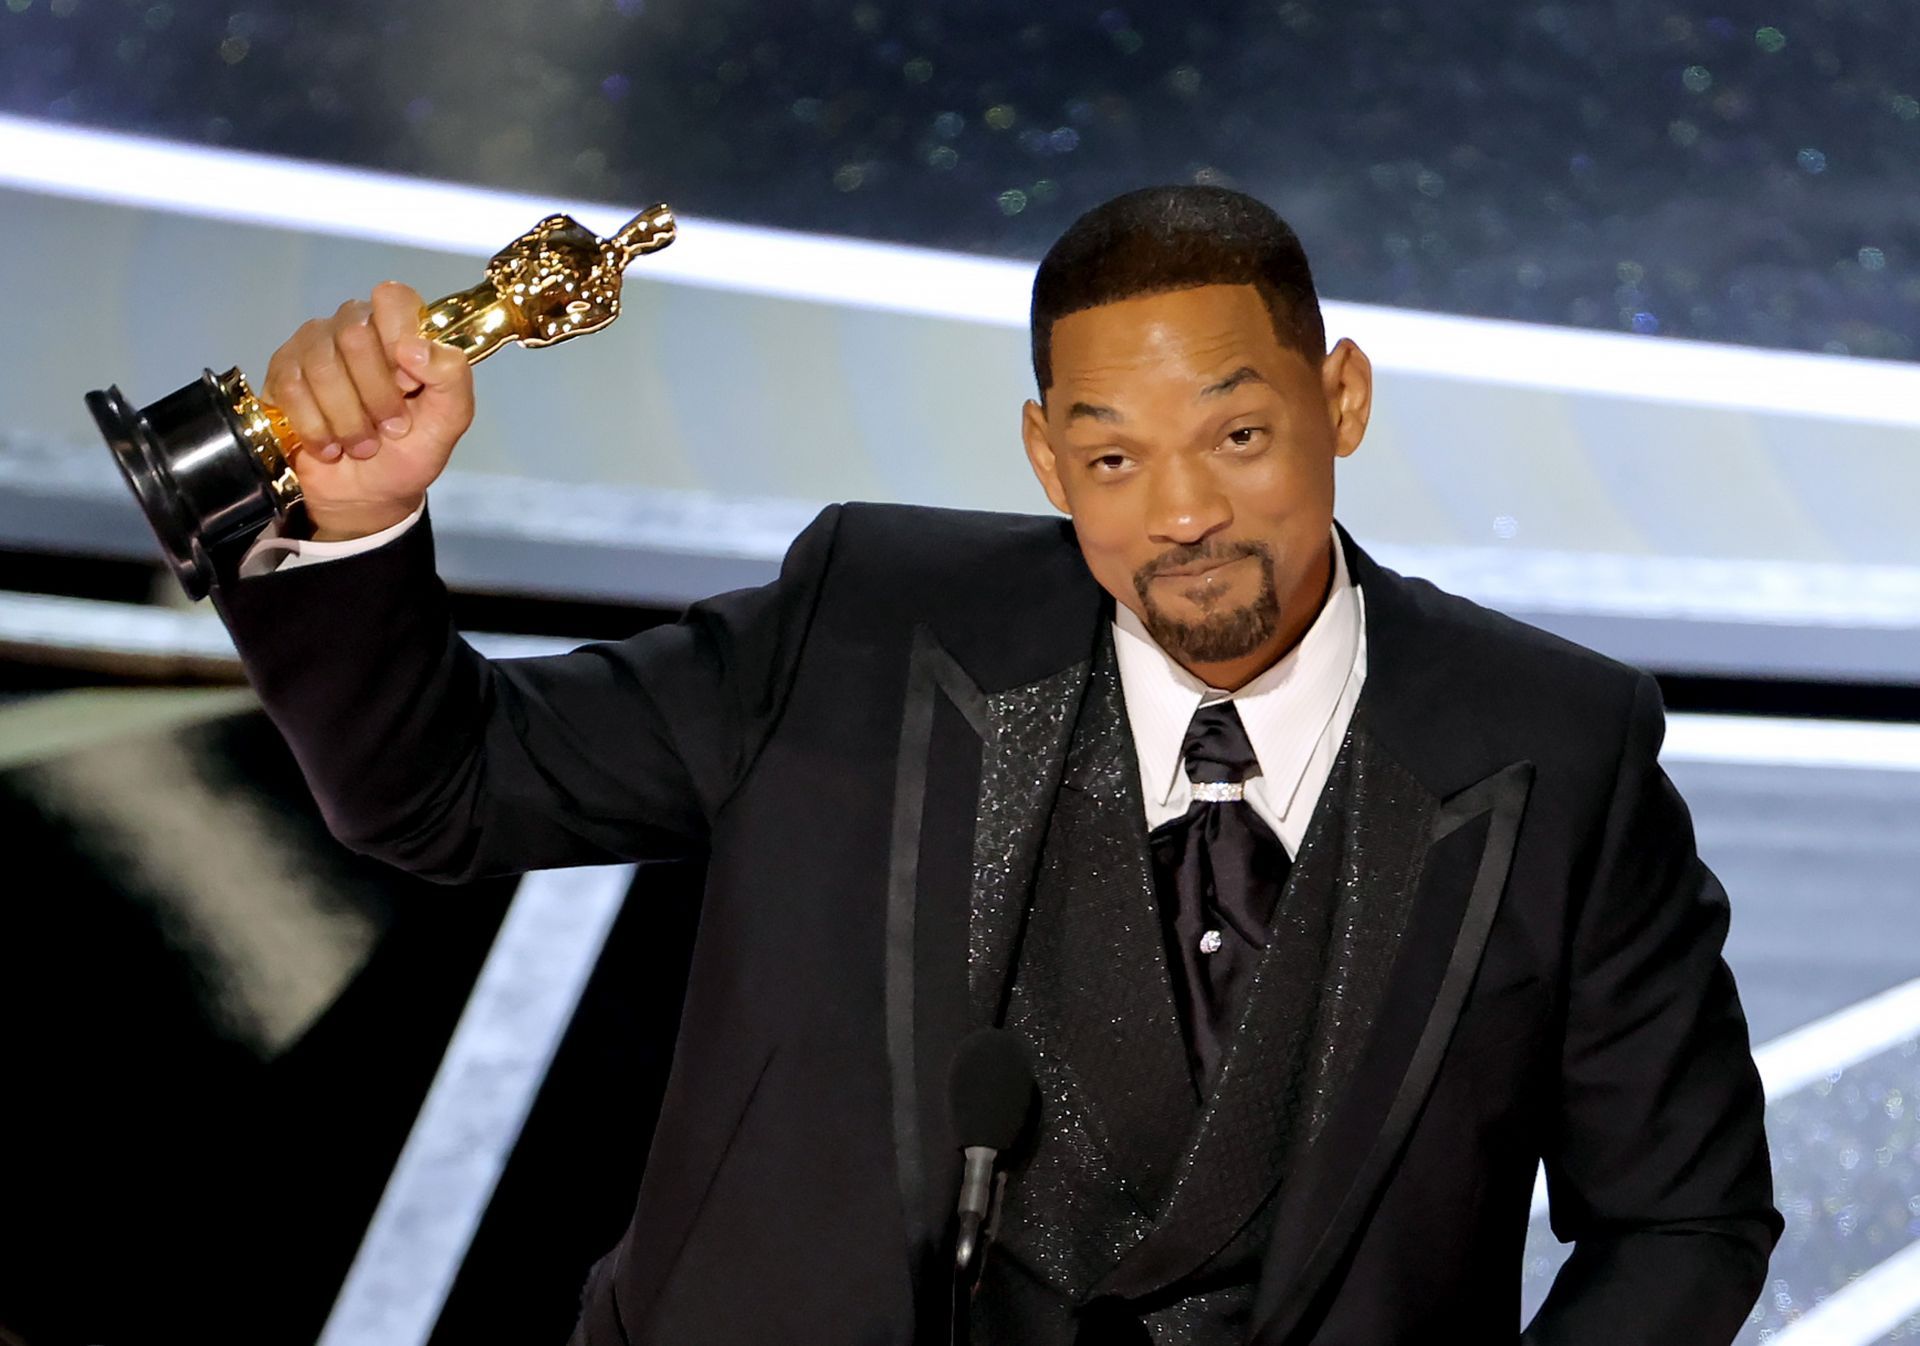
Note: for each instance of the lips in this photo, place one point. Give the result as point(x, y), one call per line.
point(1189, 572)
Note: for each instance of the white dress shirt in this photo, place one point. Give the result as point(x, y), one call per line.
point(1296, 713)
point(271, 552)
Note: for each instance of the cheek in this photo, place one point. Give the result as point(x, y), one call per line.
point(1104, 518)
point(1113, 566)
point(1111, 542)
point(1284, 487)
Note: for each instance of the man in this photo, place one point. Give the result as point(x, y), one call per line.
point(1325, 903)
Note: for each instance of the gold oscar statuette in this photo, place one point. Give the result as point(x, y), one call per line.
point(209, 462)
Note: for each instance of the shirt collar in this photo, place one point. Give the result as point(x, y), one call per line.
point(1285, 709)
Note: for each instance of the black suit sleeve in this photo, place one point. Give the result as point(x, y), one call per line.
point(1657, 1166)
point(427, 755)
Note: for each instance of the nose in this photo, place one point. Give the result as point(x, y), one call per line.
point(1185, 503)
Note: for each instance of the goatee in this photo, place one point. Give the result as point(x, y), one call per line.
point(1219, 636)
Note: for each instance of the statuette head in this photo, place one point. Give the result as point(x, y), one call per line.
point(561, 280)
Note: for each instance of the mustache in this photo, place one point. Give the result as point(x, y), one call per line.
point(1203, 553)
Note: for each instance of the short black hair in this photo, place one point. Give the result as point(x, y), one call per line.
point(1160, 239)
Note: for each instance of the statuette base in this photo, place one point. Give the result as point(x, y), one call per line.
point(195, 464)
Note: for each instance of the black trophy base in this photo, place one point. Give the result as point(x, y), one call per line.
point(197, 481)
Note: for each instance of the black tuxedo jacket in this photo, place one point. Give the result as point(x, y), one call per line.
point(1559, 990)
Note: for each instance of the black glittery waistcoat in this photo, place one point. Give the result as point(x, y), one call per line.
point(1131, 1184)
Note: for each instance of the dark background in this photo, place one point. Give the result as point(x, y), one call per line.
point(1736, 171)
point(163, 1179)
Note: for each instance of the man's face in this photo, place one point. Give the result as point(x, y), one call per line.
point(1195, 454)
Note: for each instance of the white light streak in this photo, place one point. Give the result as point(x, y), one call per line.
point(222, 184)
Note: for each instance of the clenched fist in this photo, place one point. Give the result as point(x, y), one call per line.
point(377, 408)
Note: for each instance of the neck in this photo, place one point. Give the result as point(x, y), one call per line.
point(1298, 612)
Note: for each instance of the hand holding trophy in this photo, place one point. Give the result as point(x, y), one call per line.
point(212, 463)
point(374, 410)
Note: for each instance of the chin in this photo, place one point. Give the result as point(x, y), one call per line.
point(1217, 637)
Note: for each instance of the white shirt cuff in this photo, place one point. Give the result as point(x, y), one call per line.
point(271, 552)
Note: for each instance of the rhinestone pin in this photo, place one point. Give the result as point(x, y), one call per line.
point(1219, 791)
point(1210, 942)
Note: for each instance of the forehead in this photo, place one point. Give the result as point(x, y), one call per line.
point(1179, 334)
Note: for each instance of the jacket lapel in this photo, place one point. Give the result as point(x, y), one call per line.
point(1464, 871)
point(1090, 990)
point(973, 779)
point(1470, 835)
point(936, 774)
point(1028, 732)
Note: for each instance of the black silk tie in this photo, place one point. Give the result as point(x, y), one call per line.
point(1219, 870)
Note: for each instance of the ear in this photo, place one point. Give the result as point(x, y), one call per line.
point(1033, 432)
point(1346, 379)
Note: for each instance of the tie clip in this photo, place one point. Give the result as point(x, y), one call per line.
point(1219, 791)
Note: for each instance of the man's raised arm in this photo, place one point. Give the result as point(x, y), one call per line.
point(419, 750)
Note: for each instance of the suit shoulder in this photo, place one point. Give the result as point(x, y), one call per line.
point(912, 545)
point(1512, 673)
point(934, 529)
point(1007, 595)
point(1496, 635)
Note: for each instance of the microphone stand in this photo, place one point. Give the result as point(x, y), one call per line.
point(992, 1097)
point(973, 1238)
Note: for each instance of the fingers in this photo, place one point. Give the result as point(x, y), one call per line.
point(364, 356)
point(323, 366)
point(364, 374)
point(293, 398)
point(396, 316)
point(285, 386)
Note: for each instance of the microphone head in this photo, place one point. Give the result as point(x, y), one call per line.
point(991, 1090)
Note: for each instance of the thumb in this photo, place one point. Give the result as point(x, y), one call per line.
point(444, 403)
point(434, 363)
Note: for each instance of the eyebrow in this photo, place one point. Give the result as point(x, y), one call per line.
point(1244, 374)
point(1095, 411)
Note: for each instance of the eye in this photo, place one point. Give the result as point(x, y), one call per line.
point(1107, 464)
point(1247, 436)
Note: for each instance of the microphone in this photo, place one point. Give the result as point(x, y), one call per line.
point(991, 1095)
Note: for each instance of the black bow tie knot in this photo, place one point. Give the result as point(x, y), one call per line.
point(1217, 749)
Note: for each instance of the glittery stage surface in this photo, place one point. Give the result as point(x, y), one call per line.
point(1727, 172)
